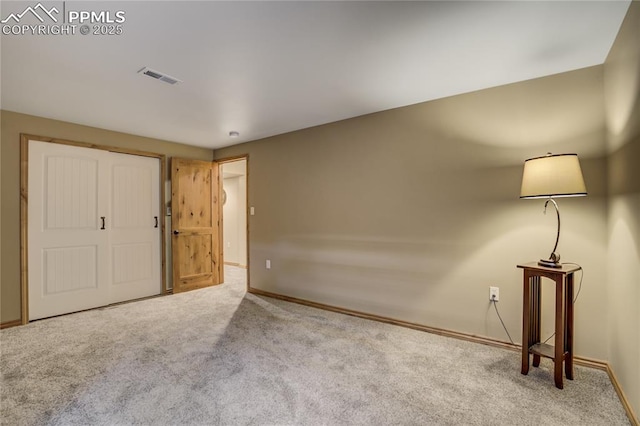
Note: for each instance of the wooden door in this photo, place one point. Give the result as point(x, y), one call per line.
point(134, 225)
point(195, 241)
point(68, 246)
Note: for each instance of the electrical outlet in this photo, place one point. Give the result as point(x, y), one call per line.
point(268, 264)
point(494, 293)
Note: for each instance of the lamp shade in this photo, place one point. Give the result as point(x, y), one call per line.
point(557, 175)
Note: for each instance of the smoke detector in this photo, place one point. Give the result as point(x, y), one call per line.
point(159, 76)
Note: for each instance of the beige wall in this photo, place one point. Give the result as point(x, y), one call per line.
point(413, 213)
point(622, 100)
point(12, 124)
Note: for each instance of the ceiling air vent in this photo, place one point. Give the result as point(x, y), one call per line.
point(159, 76)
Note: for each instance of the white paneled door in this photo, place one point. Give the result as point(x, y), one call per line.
point(135, 227)
point(92, 235)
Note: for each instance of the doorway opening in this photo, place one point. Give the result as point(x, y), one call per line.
point(234, 212)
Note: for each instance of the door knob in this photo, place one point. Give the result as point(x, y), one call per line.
point(176, 232)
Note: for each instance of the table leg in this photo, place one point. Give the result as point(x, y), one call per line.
point(568, 363)
point(559, 342)
point(526, 306)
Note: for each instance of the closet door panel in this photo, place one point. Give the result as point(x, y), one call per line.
point(67, 249)
point(135, 228)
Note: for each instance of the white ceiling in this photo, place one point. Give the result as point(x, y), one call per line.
point(265, 68)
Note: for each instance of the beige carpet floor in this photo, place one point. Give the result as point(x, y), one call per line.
point(218, 356)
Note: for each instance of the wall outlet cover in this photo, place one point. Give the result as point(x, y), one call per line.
point(494, 293)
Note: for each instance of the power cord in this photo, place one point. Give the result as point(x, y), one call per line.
point(577, 293)
point(495, 305)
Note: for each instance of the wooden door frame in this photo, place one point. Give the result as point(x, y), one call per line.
point(24, 203)
point(222, 161)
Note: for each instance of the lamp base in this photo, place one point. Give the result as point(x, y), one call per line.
point(549, 263)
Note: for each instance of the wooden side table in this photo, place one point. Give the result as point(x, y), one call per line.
point(562, 350)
